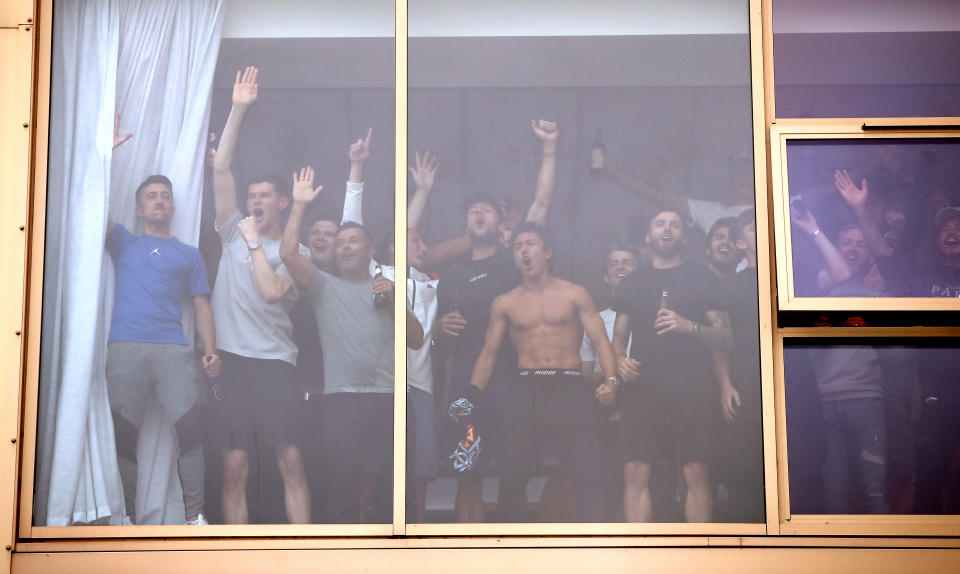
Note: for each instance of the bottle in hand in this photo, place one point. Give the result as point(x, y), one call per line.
point(380, 299)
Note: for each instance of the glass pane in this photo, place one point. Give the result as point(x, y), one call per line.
point(182, 378)
point(859, 58)
point(874, 218)
point(590, 119)
point(872, 426)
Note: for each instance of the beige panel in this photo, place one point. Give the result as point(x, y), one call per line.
point(463, 561)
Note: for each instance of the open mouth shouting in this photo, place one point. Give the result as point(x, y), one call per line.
point(257, 214)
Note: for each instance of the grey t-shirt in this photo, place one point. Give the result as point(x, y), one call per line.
point(357, 338)
point(246, 324)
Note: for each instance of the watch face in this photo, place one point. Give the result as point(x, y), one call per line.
point(251, 245)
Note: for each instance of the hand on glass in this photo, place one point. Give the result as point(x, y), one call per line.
point(245, 87)
point(117, 138)
point(425, 171)
point(303, 190)
point(360, 149)
point(856, 197)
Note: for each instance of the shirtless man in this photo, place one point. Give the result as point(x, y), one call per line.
point(545, 318)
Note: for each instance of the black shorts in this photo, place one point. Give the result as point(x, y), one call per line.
point(256, 402)
point(653, 415)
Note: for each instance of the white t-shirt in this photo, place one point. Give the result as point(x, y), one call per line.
point(422, 301)
point(588, 352)
point(246, 324)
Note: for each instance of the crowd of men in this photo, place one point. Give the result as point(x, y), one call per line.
point(646, 410)
point(875, 424)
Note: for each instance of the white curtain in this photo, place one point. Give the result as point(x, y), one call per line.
point(152, 61)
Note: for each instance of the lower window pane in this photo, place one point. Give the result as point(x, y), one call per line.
point(873, 426)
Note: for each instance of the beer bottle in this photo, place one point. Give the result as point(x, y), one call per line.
point(380, 299)
point(664, 298)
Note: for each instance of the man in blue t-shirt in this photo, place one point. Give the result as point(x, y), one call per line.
point(147, 352)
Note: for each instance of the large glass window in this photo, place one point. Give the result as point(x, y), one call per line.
point(217, 336)
point(582, 173)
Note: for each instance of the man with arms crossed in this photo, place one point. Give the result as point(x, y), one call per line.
point(545, 318)
point(676, 324)
point(147, 352)
point(257, 390)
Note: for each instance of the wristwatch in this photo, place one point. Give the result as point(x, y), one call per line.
point(696, 327)
point(616, 382)
point(253, 245)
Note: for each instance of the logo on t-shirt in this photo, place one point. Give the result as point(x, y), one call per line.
point(156, 251)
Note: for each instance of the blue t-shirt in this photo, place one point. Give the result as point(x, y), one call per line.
point(153, 274)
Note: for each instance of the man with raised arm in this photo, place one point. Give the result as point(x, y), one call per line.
point(147, 352)
point(466, 292)
point(680, 349)
point(257, 391)
point(546, 318)
point(357, 338)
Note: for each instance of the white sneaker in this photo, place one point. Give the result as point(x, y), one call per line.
point(200, 521)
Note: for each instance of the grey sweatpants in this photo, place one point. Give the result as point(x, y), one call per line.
point(168, 373)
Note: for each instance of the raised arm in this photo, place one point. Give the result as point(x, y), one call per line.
point(272, 287)
point(647, 190)
point(835, 270)
point(301, 269)
point(353, 200)
point(593, 326)
point(546, 184)
point(224, 184)
point(423, 174)
point(856, 198)
point(483, 369)
point(118, 140)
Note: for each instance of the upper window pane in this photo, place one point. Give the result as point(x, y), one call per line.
point(214, 344)
point(866, 58)
point(625, 129)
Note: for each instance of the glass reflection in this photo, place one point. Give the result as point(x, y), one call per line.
point(872, 427)
point(874, 218)
point(595, 323)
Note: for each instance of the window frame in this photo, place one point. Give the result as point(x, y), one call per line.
point(852, 130)
point(42, 538)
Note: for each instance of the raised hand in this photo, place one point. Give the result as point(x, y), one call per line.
point(248, 229)
point(805, 221)
point(545, 131)
point(425, 171)
point(856, 197)
point(303, 190)
point(360, 150)
point(117, 138)
point(245, 87)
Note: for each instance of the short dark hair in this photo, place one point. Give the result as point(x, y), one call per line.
point(847, 227)
point(355, 225)
point(280, 184)
point(482, 197)
point(729, 222)
point(534, 227)
point(667, 209)
point(151, 179)
point(620, 246)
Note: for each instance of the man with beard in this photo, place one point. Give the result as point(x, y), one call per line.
point(546, 318)
point(257, 391)
point(681, 342)
point(466, 292)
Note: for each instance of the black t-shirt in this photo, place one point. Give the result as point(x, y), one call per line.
point(741, 300)
point(472, 286)
point(673, 361)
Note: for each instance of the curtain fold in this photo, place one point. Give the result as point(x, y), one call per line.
point(152, 61)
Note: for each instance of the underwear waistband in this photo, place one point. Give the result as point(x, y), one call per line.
point(551, 373)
